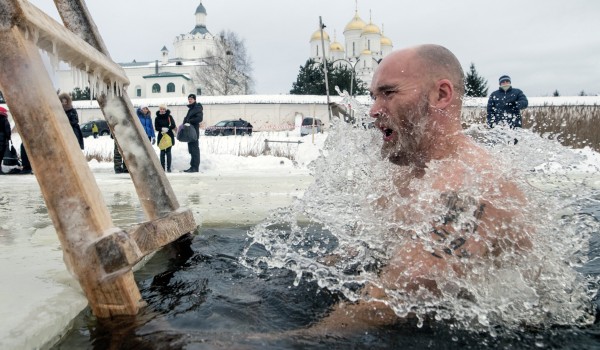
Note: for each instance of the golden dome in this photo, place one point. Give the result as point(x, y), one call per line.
point(317, 35)
point(371, 29)
point(335, 46)
point(355, 24)
point(366, 52)
point(385, 41)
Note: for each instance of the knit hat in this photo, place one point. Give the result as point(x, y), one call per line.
point(192, 96)
point(503, 79)
point(3, 111)
point(143, 106)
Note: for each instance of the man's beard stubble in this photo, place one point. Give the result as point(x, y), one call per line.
point(409, 144)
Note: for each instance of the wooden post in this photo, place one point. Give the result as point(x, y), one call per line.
point(152, 186)
point(74, 201)
point(98, 254)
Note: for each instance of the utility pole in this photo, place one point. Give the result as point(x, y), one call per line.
point(322, 26)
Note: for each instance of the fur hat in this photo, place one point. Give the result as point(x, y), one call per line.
point(65, 96)
point(503, 79)
point(3, 112)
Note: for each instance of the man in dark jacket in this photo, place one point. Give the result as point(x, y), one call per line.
point(4, 134)
point(67, 103)
point(194, 117)
point(505, 105)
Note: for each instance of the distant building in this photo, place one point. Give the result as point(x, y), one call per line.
point(166, 76)
point(365, 46)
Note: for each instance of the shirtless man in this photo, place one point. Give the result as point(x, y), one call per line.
point(417, 95)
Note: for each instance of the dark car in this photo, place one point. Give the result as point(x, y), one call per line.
point(229, 127)
point(103, 129)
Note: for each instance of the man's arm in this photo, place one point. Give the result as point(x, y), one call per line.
point(522, 101)
point(196, 117)
point(491, 107)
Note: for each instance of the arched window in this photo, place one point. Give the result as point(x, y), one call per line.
point(155, 88)
point(138, 91)
point(183, 89)
point(170, 87)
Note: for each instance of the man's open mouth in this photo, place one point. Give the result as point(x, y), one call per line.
point(387, 133)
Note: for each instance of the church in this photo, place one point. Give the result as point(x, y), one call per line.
point(177, 74)
point(174, 74)
point(364, 47)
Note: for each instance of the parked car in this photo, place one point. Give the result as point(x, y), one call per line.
point(103, 129)
point(229, 127)
point(310, 125)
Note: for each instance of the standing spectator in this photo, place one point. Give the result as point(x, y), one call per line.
point(164, 124)
point(71, 112)
point(67, 104)
point(95, 130)
point(146, 120)
point(25, 165)
point(4, 134)
point(505, 105)
point(118, 162)
point(194, 117)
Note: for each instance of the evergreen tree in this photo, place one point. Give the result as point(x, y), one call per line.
point(78, 95)
point(555, 93)
point(582, 93)
point(475, 86)
point(311, 79)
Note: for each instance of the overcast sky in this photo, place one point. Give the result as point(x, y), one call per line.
point(544, 45)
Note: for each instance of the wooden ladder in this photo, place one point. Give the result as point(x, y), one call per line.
point(99, 254)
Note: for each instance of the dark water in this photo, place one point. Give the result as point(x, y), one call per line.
point(202, 298)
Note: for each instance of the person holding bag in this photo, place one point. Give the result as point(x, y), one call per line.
point(4, 134)
point(193, 118)
point(164, 124)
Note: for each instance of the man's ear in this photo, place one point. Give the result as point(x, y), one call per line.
point(444, 94)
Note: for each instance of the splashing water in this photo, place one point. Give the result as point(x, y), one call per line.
point(338, 235)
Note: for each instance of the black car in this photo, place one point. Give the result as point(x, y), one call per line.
point(229, 127)
point(103, 129)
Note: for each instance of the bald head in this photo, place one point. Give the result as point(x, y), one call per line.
point(428, 63)
point(440, 63)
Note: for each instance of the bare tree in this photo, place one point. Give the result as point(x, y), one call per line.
point(227, 69)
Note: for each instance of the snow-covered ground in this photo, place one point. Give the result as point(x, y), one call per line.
point(39, 298)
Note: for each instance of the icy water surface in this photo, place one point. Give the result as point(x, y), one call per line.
point(207, 300)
